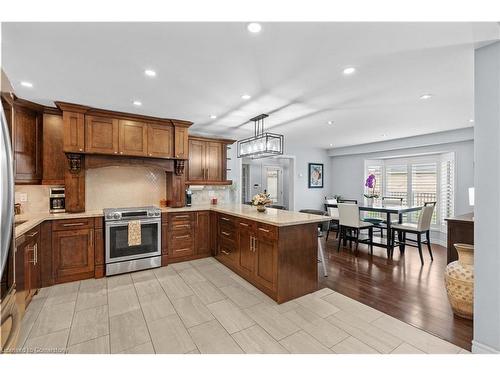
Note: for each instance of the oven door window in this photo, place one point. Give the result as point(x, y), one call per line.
point(118, 241)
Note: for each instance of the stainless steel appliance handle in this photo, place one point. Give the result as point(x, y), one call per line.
point(6, 191)
point(123, 223)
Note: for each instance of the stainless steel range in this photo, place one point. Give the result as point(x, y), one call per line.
point(121, 255)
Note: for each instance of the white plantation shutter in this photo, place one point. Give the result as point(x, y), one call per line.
point(447, 188)
point(396, 182)
point(424, 186)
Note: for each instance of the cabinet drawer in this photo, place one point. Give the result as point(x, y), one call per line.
point(73, 224)
point(181, 226)
point(181, 217)
point(227, 231)
point(246, 224)
point(228, 250)
point(267, 231)
point(226, 220)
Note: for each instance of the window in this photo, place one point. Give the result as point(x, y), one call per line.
point(418, 180)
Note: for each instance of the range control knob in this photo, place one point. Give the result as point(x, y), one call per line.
point(116, 216)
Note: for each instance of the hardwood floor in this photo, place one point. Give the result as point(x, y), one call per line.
point(400, 287)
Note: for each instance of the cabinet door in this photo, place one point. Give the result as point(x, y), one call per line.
point(197, 157)
point(160, 141)
point(266, 262)
point(202, 231)
point(27, 146)
point(101, 135)
point(133, 138)
point(29, 260)
point(73, 254)
point(54, 159)
point(176, 194)
point(213, 161)
point(74, 132)
point(75, 191)
point(247, 256)
point(181, 144)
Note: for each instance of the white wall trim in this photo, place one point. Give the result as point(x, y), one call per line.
point(408, 143)
point(479, 348)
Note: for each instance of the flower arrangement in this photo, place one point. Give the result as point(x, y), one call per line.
point(261, 200)
point(370, 183)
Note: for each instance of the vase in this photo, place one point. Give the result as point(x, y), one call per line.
point(369, 202)
point(261, 208)
point(459, 279)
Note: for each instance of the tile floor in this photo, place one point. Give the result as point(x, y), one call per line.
point(202, 307)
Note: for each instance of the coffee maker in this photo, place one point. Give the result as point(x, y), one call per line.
point(189, 196)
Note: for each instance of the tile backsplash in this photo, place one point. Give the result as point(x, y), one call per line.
point(37, 198)
point(124, 187)
point(121, 187)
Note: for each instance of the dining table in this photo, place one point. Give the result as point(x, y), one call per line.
point(387, 210)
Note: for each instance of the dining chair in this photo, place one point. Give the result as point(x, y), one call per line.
point(333, 212)
point(423, 226)
point(349, 221)
point(321, 229)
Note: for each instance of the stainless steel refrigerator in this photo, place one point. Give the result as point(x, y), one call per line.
point(10, 314)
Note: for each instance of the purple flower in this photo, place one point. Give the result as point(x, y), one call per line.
point(370, 181)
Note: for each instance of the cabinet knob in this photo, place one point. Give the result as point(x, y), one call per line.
point(81, 149)
point(116, 152)
point(121, 152)
point(150, 154)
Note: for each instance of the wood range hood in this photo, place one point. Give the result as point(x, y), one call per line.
point(94, 138)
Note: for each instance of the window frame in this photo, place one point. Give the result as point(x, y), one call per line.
point(409, 161)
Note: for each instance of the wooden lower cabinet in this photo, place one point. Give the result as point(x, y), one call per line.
point(73, 250)
point(202, 233)
point(28, 275)
point(99, 256)
point(280, 261)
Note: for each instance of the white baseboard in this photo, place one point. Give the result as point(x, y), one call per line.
point(478, 348)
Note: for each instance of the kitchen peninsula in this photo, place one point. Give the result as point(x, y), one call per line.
point(276, 251)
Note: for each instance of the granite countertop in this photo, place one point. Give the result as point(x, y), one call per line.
point(271, 216)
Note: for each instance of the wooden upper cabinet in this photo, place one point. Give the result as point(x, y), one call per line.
point(160, 141)
point(207, 161)
point(54, 159)
point(74, 131)
point(27, 146)
point(181, 142)
point(213, 161)
point(133, 138)
point(197, 156)
point(101, 135)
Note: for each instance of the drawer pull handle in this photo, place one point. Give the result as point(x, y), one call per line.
point(225, 218)
point(73, 224)
point(264, 230)
point(224, 252)
point(244, 224)
point(181, 216)
point(182, 250)
point(225, 233)
point(179, 237)
point(33, 234)
point(182, 225)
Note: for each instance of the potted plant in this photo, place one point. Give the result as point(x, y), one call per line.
point(370, 183)
point(260, 201)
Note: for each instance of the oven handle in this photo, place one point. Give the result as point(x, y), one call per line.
point(123, 223)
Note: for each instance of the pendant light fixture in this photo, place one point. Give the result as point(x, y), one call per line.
point(262, 144)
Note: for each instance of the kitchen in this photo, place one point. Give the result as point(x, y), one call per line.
point(175, 200)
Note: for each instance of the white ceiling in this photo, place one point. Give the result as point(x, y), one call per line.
point(293, 71)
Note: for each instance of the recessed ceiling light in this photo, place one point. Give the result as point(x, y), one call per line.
point(330, 122)
point(384, 135)
point(331, 144)
point(213, 117)
point(349, 70)
point(254, 27)
point(150, 73)
point(26, 84)
point(245, 96)
point(471, 120)
point(137, 103)
point(425, 96)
